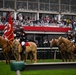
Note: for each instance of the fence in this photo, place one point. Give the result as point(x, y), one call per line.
point(42, 53)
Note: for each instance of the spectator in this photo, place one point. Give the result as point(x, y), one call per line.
point(74, 25)
point(45, 43)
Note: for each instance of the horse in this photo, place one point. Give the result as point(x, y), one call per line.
point(31, 48)
point(69, 46)
point(62, 48)
point(16, 49)
point(6, 48)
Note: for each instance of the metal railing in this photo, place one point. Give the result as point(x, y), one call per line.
point(44, 52)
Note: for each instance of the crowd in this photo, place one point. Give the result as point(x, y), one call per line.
point(43, 21)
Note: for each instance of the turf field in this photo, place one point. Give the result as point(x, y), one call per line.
point(5, 70)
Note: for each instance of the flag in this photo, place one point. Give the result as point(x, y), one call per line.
point(8, 30)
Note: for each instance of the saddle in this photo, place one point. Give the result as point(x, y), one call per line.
point(27, 44)
point(24, 47)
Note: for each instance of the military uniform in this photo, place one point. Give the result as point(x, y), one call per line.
point(22, 37)
point(23, 41)
point(70, 37)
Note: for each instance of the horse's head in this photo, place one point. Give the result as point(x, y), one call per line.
point(16, 48)
point(15, 45)
point(53, 42)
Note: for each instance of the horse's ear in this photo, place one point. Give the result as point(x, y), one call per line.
point(60, 37)
point(49, 41)
point(52, 38)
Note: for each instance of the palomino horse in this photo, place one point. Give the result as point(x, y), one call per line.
point(5, 48)
point(16, 49)
point(61, 47)
point(31, 47)
point(69, 46)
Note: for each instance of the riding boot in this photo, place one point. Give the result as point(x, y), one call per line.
point(23, 49)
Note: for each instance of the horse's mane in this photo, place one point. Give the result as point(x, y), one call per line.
point(65, 40)
point(56, 40)
point(16, 41)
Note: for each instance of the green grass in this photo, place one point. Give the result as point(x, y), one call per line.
point(49, 60)
point(5, 70)
point(50, 72)
point(45, 60)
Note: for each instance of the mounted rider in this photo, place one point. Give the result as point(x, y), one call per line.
point(22, 39)
point(70, 36)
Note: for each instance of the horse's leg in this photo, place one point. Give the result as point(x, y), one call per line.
point(31, 57)
point(72, 56)
point(16, 57)
point(5, 58)
point(35, 57)
point(19, 57)
point(66, 56)
point(8, 58)
point(69, 56)
point(62, 56)
point(26, 56)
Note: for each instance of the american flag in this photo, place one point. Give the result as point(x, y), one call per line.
point(8, 30)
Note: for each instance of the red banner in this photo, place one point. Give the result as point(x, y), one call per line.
point(46, 29)
point(8, 30)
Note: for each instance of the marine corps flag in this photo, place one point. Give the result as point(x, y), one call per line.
point(8, 30)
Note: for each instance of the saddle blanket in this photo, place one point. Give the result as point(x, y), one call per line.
point(27, 44)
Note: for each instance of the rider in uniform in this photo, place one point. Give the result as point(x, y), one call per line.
point(70, 36)
point(22, 40)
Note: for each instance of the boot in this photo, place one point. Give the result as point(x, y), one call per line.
point(23, 49)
